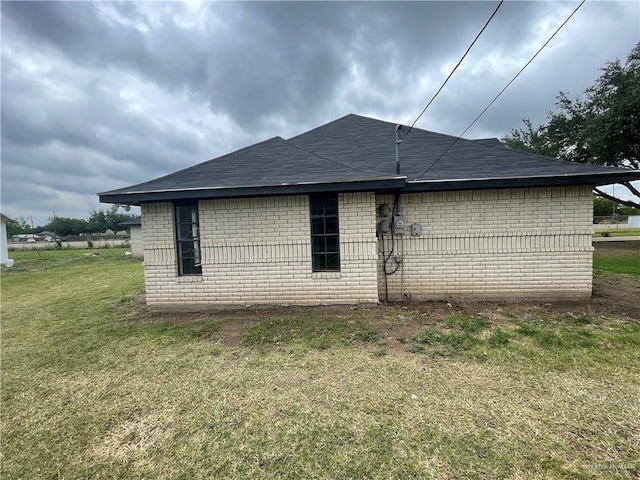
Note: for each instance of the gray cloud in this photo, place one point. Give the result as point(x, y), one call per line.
point(100, 95)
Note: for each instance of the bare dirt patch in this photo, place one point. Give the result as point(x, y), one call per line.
point(614, 293)
point(624, 247)
point(614, 296)
point(617, 294)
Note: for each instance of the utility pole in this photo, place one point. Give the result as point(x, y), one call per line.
point(614, 208)
point(398, 142)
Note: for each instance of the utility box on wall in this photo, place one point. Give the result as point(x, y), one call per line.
point(384, 226)
point(384, 210)
point(384, 220)
point(398, 223)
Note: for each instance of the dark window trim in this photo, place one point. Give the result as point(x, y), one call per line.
point(196, 257)
point(335, 255)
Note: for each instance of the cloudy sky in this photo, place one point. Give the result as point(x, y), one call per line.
point(97, 96)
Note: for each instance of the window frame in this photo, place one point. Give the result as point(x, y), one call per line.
point(330, 256)
point(192, 243)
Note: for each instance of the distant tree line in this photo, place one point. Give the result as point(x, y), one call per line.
point(603, 207)
point(98, 221)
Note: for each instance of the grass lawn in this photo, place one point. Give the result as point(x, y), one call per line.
point(617, 257)
point(94, 386)
point(613, 231)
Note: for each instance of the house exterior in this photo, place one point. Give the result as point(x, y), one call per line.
point(47, 236)
point(26, 237)
point(135, 236)
point(5, 261)
point(339, 215)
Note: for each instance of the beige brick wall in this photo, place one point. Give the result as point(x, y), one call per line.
point(257, 251)
point(135, 239)
point(509, 243)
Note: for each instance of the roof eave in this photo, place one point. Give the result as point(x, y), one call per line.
point(382, 185)
point(135, 198)
point(520, 182)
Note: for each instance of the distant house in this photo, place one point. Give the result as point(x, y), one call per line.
point(26, 237)
point(4, 252)
point(135, 235)
point(47, 236)
point(330, 216)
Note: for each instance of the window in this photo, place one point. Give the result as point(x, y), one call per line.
point(325, 241)
point(188, 239)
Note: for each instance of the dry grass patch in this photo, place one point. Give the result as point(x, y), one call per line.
point(94, 387)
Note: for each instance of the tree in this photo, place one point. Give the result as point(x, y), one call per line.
point(66, 226)
point(98, 221)
point(101, 220)
point(603, 207)
point(603, 128)
point(18, 226)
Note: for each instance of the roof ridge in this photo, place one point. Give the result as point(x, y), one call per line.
point(322, 126)
point(374, 120)
point(355, 148)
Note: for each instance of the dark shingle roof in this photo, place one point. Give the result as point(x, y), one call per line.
point(358, 153)
point(490, 141)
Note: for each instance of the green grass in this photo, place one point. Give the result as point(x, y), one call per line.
point(311, 331)
point(499, 338)
point(95, 387)
point(467, 323)
point(623, 232)
point(616, 264)
point(553, 340)
point(626, 262)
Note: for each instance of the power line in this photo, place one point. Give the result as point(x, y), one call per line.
point(454, 68)
point(501, 91)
